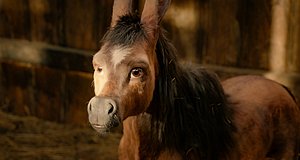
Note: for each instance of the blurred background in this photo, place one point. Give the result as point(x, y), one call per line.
point(46, 48)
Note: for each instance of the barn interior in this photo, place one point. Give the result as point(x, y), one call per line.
point(46, 48)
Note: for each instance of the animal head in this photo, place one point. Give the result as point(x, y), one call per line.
point(125, 68)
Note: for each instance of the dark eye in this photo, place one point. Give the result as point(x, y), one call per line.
point(99, 69)
point(136, 73)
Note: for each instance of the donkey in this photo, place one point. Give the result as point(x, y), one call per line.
point(180, 111)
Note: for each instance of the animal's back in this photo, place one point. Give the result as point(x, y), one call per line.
point(266, 118)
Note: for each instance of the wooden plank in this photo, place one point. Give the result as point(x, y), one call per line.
point(293, 46)
point(47, 20)
point(78, 91)
point(86, 22)
point(223, 33)
point(18, 85)
point(15, 19)
point(254, 19)
point(49, 94)
point(181, 21)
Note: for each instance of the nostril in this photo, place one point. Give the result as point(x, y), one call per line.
point(89, 107)
point(111, 109)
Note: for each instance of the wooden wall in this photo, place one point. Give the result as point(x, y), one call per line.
point(222, 32)
point(229, 36)
point(71, 23)
point(237, 33)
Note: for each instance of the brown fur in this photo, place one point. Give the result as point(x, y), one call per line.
point(266, 117)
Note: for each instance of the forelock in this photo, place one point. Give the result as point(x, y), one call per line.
point(126, 32)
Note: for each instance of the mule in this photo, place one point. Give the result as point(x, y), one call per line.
point(172, 111)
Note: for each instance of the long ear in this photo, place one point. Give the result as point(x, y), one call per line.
point(120, 8)
point(153, 12)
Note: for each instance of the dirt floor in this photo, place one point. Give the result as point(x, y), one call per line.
point(29, 138)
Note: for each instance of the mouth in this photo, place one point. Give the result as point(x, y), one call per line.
point(105, 128)
point(100, 128)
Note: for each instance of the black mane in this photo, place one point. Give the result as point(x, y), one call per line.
point(189, 110)
point(191, 107)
